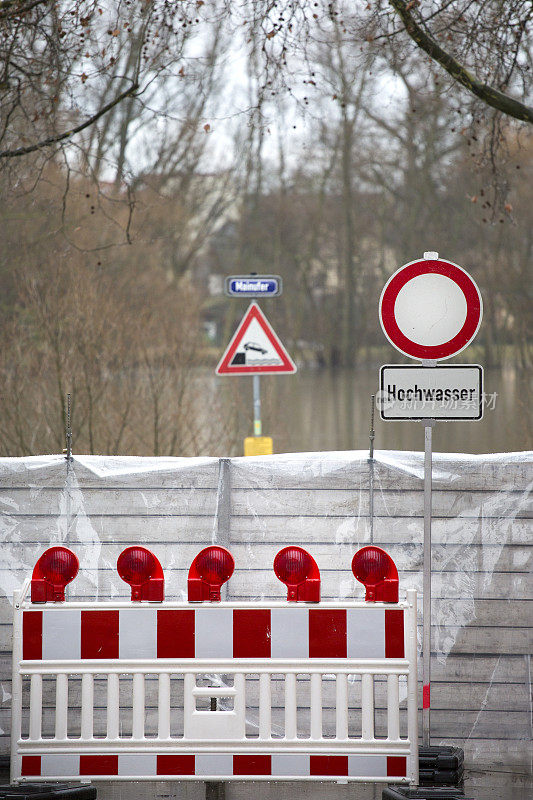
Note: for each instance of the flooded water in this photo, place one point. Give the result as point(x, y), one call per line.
point(330, 410)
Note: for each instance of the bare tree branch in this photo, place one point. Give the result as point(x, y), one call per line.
point(491, 96)
point(21, 151)
point(14, 8)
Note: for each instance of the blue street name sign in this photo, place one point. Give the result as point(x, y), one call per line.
point(253, 285)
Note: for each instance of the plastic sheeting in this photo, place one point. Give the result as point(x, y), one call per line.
point(331, 504)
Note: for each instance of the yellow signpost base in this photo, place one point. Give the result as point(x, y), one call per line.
point(258, 446)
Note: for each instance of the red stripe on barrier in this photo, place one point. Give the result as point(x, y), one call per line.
point(175, 636)
point(396, 766)
point(99, 765)
point(327, 633)
point(252, 765)
point(175, 765)
point(251, 634)
point(426, 696)
point(31, 765)
point(99, 634)
point(32, 637)
point(328, 765)
point(394, 635)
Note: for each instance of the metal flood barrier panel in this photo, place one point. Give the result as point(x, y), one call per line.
point(214, 691)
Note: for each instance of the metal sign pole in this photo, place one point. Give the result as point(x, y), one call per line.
point(420, 312)
point(68, 450)
point(371, 460)
point(68, 455)
point(426, 629)
point(257, 407)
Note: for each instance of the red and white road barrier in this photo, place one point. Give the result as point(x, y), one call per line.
point(214, 690)
point(219, 631)
point(215, 766)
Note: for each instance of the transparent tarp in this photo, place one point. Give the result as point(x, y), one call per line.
point(331, 504)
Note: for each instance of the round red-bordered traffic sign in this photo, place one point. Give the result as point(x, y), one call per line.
point(430, 309)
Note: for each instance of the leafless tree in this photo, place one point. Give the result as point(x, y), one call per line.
point(120, 334)
point(69, 64)
point(485, 46)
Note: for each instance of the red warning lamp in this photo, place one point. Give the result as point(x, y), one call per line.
point(211, 568)
point(141, 569)
point(298, 570)
point(56, 567)
point(373, 567)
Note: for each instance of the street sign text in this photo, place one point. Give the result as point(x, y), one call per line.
point(253, 285)
point(453, 392)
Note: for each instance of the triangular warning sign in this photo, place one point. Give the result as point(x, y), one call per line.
point(255, 349)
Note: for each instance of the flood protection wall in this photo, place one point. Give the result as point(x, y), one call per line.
point(332, 504)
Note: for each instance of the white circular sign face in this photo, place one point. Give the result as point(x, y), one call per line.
point(430, 309)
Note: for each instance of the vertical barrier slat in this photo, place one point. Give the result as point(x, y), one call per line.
point(113, 708)
point(412, 678)
point(367, 706)
point(290, 705)
point(36, 705)
point(61, 706)
point(189, 702)
point(87, 702)
point(393, 707)
point(138, 705)
point(316, 705)
point(341, 701)
point(239, 684)
point(265, 706)
point(16, 684)
point(163, 707)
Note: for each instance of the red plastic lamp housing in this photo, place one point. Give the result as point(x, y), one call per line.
point(211, 568)
point(298, 570)
point(57, 567)
point(374, 568)
point(141, 569)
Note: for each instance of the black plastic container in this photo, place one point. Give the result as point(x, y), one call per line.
point(440, 766)
point(47, 791)
point(441, 758)
point(428, 793)
point(440, 777)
